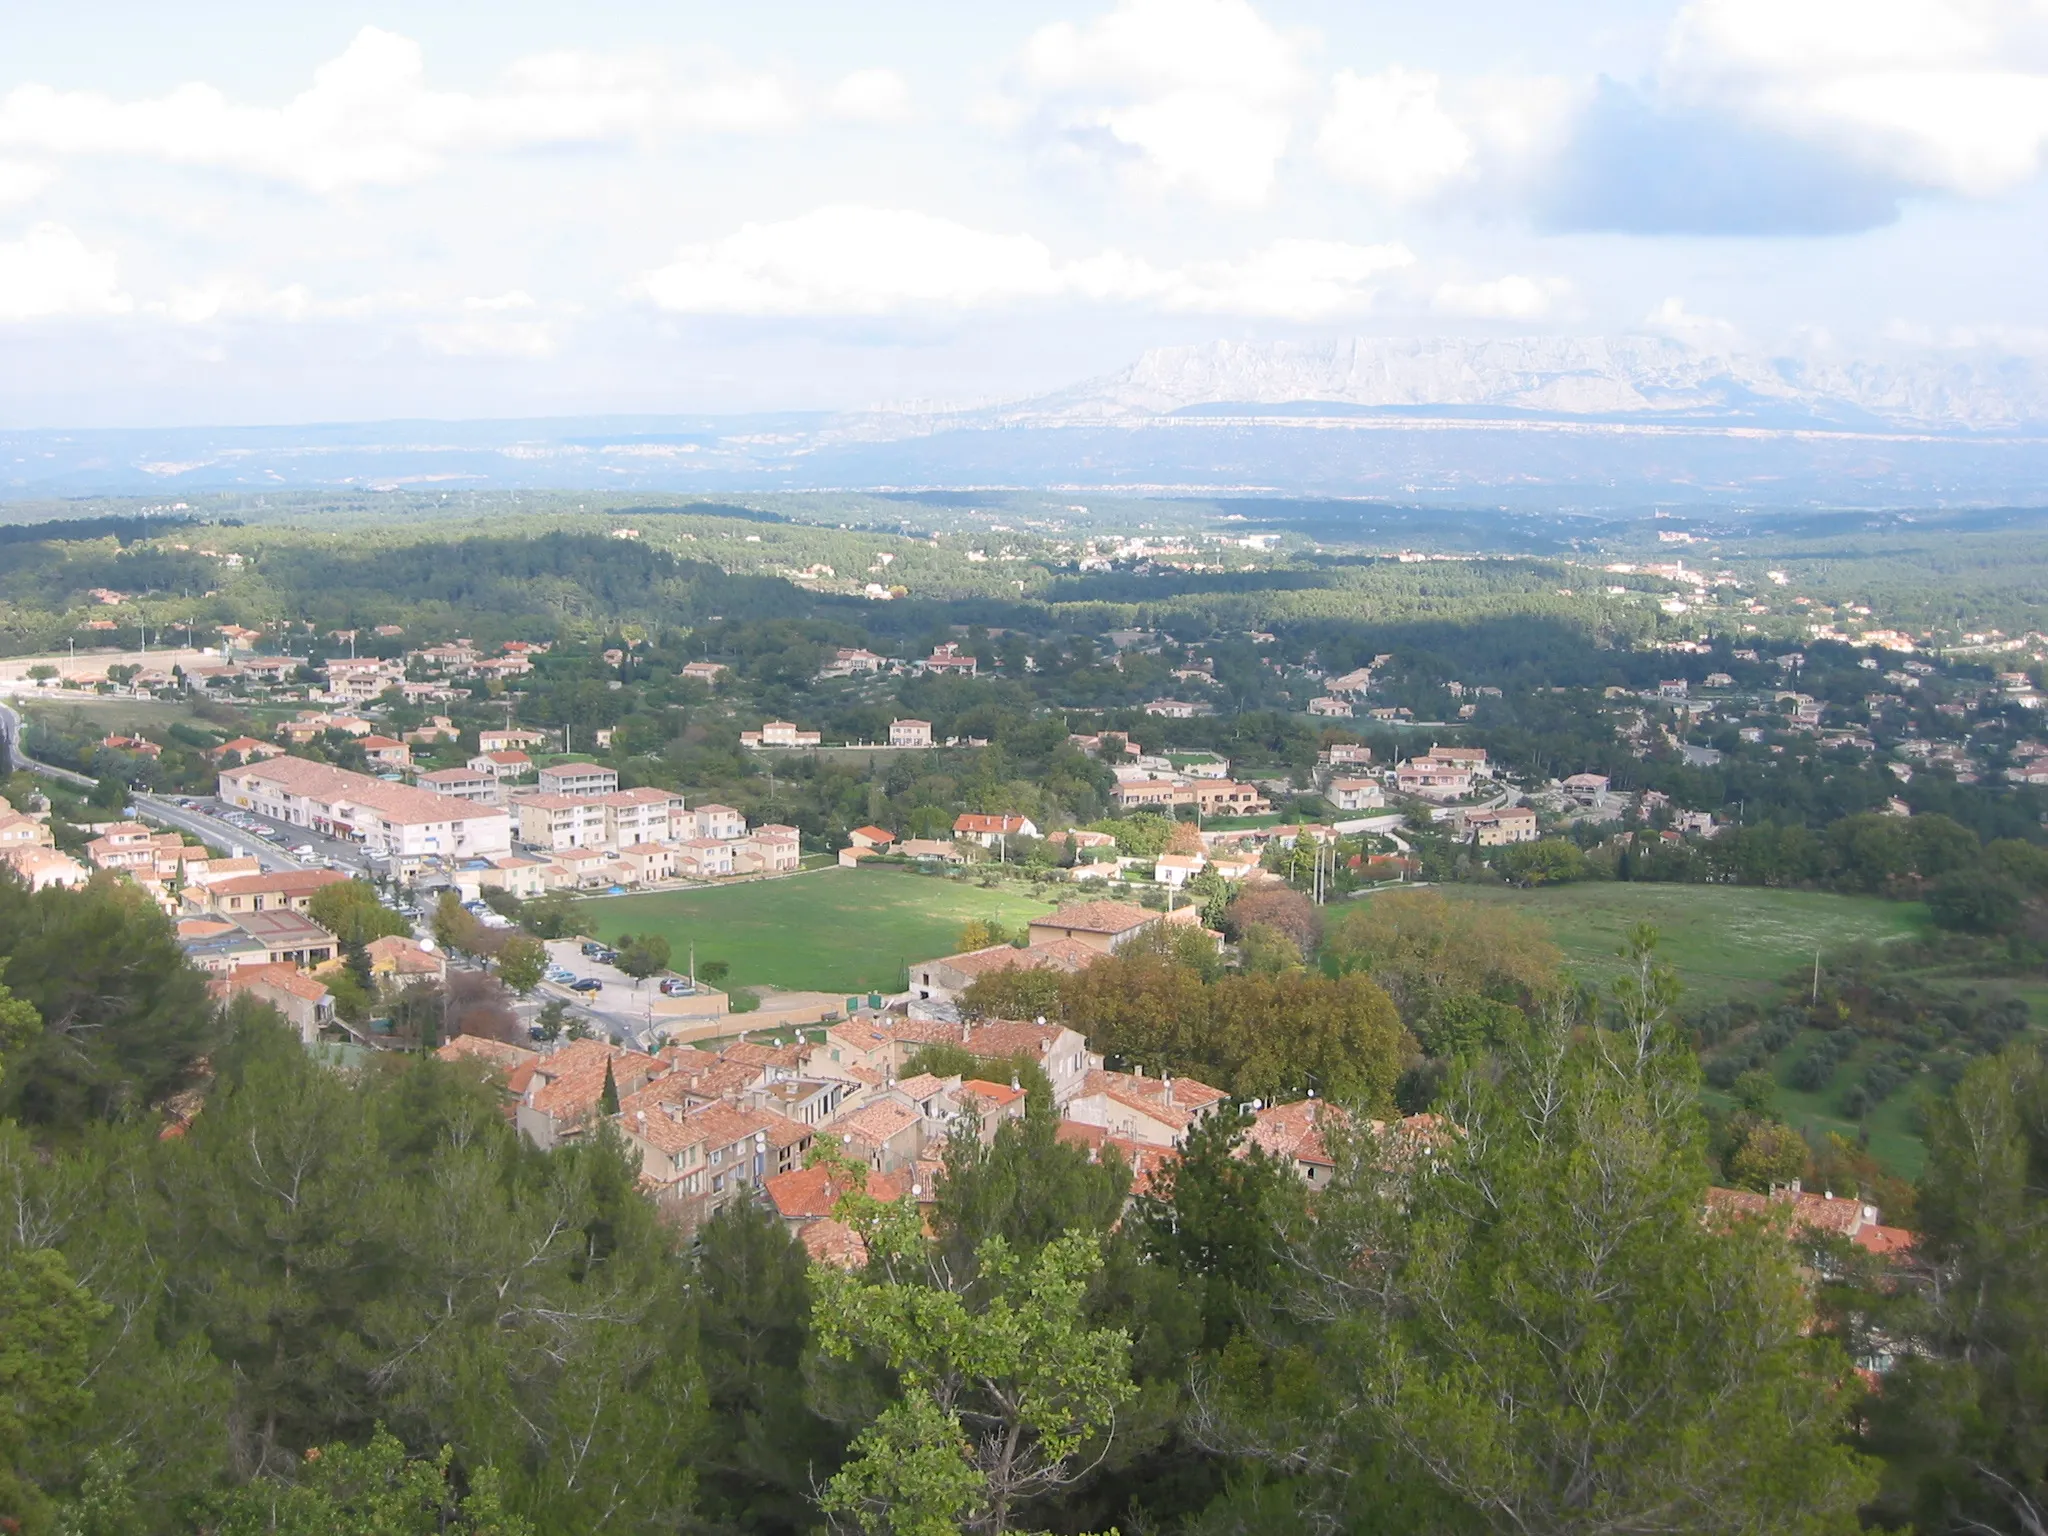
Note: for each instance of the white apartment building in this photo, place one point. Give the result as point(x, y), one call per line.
point(578, 779)
point(910, 733)
point(643, 816)
point(1356, 794)
point(557, 823)
point(462, 783)
point(718, 822)
point(393, 821)
point(767, 850)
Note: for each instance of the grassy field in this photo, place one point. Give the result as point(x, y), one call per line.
point(839, 930)
point(1725, 940)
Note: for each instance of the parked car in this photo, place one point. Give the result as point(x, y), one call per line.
point(592, 947)
point(586, 984)
point(676, 986)
point(304, 851)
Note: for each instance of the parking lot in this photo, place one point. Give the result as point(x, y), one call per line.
point(626, 1009)
point(333, 852)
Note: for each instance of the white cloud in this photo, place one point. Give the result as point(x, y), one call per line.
point(50, 272)
point(1389, 132)
point(369, 116)
point(515, 298)
point(1199, 93)
point(1512, 297)
point(22, 183)
point(870, 95)
point(1673, 319)
point(846, 260)
point(489, 336)
point(1946, 94)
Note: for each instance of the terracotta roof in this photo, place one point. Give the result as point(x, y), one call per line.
point(497, 1053)
point(876, 834)
point(922, 1086)
point(285, 882)
point(1006, 824)
point(1010, 1037)
point(1294, 1131)
point(811, 1194)
point(1098, 917)
point(1002, 1095)
point(398, 803)
point(1840, 1215)
point(872, 1123)
point(286, 978)
point(1170, 1101)
point(833, 1242)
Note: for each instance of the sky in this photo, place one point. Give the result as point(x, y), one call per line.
point(226, 212)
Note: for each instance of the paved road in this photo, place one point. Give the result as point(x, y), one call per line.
point(198, 822)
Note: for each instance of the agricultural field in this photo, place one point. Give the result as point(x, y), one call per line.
point(1726, 941)
point(838, 930)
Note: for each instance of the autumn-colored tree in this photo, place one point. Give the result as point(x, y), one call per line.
point(1276, 907)
point(1422, 947)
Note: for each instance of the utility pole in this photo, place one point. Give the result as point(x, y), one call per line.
point(1815, 999)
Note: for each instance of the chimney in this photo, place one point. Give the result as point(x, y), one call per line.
point(1137, 1069)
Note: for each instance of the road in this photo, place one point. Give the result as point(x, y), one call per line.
point(155, 808)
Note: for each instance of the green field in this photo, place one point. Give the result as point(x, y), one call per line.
point(1725, 941)
point(839, 930)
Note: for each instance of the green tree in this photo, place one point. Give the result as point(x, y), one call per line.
point(1962, 1420)
point(641, 955)
point(19, 1022)
point(713, 972)
point(608, 1097)
point(46, 1326)
point(1771, 1154)
point(374, 1490)
point(1003, 1393)
point(456, 929)
point(1526, 1325)
point(521, 964)
point(125, 1019)
point(350, 910)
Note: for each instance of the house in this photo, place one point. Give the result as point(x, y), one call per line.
point(1359, 681)
point(1172, 709)
point(648, 863)
point(284, 890)
point(1227, 797)
point(580, 778)
point(509, 740)
point(123, 845)
point(510, 1065)
point(931, 848)
point(1717, 680)
point(18, 831)
point(403, 961)
point(462, 783)
point(780, 733)
point(991, 830)
point(1102, 926)
point(303, 1000)
point(1177, 869)
point(1328, 707)
point(717, 821)
point(1152, 794)
point(395, 821)
point(887, 1134)
point(1061, 1053)
point(1587, 788)
point(40, 868)
point(1356, 794)
point(875, 838)
point(223, 943)
point(1428, 779)
point(704, 858)
point(947, 659)
point(1293, 1133)
point(768, 850)
point(910, 733)
point(562, 1098)
point(1801, 1210)
point(855, 662)
point(138, 746)
point(1153, 1111)
point(439, 728)
point(1509, 824)
point(386, 751)
point(502, 765)
point(1673, 689)
point(1470, 759)
point(706, 672)
point(360, 679)
point(245, 749)
point(944, 979)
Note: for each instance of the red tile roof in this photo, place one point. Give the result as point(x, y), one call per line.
point(1098, 917)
